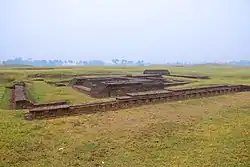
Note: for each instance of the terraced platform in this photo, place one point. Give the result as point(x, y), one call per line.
point(135, 99)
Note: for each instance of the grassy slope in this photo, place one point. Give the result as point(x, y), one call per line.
point(203, 132)
point(213, 133)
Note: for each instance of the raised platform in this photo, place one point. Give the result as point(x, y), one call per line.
point(117, 85)
point(135, 99)
point(190, 76)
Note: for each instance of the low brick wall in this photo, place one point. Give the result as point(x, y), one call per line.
point(56, 103)
point(21, 99)
point(190, 76)
point(82, 89)
point(157, 71)
point(176, 84)
point(129, 101)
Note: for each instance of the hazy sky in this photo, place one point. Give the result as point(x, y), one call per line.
point(152, 30)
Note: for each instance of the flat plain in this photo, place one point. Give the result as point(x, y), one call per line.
point(210, 131)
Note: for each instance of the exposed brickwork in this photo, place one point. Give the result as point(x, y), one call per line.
point(176, 84)
point(166, 72)
point(158, 71)
point(132, 100)
point(119, 85)
point(190, 76)
point(20, 100)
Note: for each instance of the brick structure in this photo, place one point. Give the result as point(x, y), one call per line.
point(21, 100)
point(190, 76)
point(135, 99)
point(20, 97)
point(117, 85)
point(157, 71)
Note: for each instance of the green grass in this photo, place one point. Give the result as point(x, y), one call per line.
point(208, 132)
point(4, 97)
point(2, 89)
point(43, 92)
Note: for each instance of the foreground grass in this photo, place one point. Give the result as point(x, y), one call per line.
point(203, 132)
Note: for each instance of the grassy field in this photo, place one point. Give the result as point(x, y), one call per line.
point(208, 132)
point(43, 92)
point(4, 97)
point(2, 91)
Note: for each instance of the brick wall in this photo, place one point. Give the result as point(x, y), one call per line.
point(22, 101)
point(128, 101)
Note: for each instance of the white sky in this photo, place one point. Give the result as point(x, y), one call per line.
point(155, 31)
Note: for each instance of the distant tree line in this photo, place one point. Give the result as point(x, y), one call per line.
point(21, 61)
point(117, 62)
point(241, 63)
point(127, 62)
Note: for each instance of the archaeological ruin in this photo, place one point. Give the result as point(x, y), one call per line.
point(157, 71)
point(133, 100)
point(20, 98)
point(120, 85)
point(126, 91)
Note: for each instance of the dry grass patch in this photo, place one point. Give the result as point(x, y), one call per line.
point(181, 111)
point(200, 132)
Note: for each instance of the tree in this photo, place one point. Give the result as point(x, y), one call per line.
point(124, 62)
point(140, 62)
point(115, 61)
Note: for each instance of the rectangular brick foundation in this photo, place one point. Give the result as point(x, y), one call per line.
point(133, 101)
